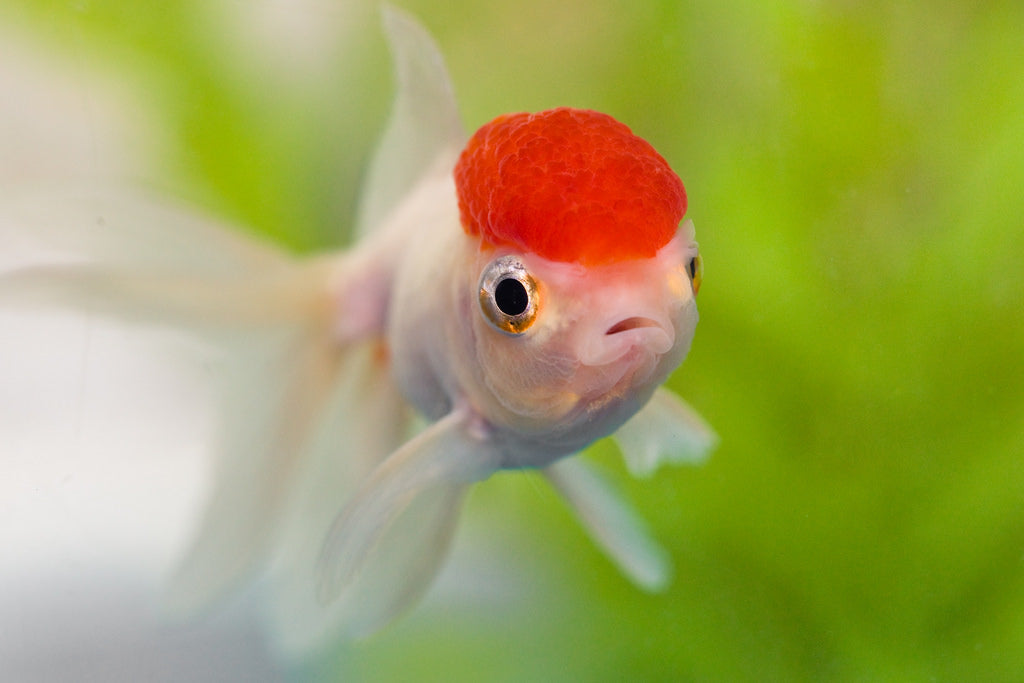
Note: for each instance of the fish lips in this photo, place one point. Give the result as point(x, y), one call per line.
point(626, 338)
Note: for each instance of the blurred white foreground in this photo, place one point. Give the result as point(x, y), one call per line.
point(103, 433)
point(102, 460)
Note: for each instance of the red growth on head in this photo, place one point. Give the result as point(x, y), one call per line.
point(570, 185)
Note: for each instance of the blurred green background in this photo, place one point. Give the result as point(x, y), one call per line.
point(856, 175)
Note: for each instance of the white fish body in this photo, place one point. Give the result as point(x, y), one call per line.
point(317, 479)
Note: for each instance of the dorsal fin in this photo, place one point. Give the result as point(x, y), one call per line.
point(424, 122)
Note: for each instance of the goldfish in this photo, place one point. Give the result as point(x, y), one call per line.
point(509, 299)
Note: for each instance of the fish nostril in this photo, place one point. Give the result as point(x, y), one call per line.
point(631, 324)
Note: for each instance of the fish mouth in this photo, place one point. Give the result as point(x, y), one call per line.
point(631, 324)
point(637, 337)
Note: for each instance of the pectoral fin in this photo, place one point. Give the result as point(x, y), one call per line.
point(363, 422)
point(389, 541)
point(666, 430)
point(612, 523)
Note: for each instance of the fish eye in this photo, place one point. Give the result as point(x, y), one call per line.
point(695, 268)
point(509, 297)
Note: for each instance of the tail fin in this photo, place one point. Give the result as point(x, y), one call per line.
point(121, 226)
point(131, 256)
point(140, 260)
point(278, 385)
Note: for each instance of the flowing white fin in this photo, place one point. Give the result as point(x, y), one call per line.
point(277, 387)
point(612, 523)
point(396, 572)
point(133, 257)
point(382, 553)
point(125, 227)
point(666, 430)
point(399, 522)
point(424, 125)
point(264, 312)
point(182, 299)
point(365, 420)
point(289, 407)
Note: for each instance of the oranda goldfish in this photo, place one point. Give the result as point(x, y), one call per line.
point(526, 292)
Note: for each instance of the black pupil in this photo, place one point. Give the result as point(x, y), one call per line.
point(692, 267)
point(511, 297)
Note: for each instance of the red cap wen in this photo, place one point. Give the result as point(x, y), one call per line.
point(570, 185)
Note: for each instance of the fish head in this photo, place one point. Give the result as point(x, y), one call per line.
point(583, 278)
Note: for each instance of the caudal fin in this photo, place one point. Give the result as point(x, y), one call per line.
point(263, 314)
